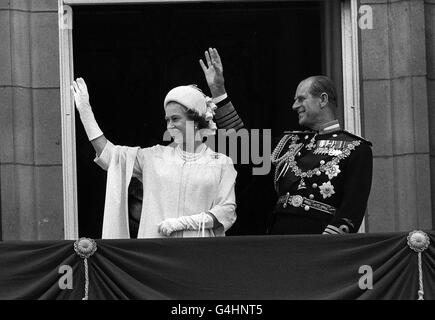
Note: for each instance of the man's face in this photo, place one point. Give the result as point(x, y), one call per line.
point(306, 105)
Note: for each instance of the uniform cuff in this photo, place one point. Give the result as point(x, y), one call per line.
point(330, 229)
point(220, 98)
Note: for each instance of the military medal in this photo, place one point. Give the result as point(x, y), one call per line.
point(321, 147)
point(332, 171)
point(302, 184)
point(326, 189)
point(329, 147)
point(312, 143)
point(338, 149)
point(331, 168)
point(334, 153)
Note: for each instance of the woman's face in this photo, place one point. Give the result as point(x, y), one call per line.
point(177, 122)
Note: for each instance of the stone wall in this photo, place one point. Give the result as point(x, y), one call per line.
point(396, 110)
point(429, 10)
point(30, 122)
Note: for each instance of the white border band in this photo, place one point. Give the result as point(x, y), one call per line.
point(68, 123)
point(351, 77)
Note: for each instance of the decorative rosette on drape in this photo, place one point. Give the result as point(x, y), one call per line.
point(85, 247)
point(419, 241)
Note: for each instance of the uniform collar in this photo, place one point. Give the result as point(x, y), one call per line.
point(329, 127)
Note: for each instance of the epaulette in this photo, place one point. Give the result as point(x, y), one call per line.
point(357, 137)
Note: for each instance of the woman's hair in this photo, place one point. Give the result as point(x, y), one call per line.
point(194, 116)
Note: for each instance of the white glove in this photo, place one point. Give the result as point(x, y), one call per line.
point(194, 222)
point(167, 226)
point(81, 98)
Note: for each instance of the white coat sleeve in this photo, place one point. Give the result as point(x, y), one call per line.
point(110, 151)
point(224, 206)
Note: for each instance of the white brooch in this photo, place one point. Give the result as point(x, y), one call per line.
point(326, 189)
point(332, 171)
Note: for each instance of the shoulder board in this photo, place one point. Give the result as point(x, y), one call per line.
point(357, 137)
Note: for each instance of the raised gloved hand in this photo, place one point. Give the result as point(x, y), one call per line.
point(81, 98)
point(193, 222)
point(81, 95)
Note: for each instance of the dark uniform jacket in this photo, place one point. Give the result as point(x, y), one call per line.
point(322, 179)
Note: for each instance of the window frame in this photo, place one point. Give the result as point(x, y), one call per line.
point(351, 90)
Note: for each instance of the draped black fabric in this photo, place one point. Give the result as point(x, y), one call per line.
point(242, 268)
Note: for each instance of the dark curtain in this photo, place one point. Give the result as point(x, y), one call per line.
point(250, 268)
point(131, 56)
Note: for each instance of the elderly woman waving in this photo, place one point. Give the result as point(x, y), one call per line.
point(188, 189)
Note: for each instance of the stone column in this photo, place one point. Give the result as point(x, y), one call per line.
point(30, 122)
point(429, 10)
point(395, 115)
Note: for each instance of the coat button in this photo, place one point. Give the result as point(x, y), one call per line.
point(311, 196)
point(314, 185)
point(322, 162)
point(306, 208)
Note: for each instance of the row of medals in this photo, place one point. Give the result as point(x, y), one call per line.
point(322, 147)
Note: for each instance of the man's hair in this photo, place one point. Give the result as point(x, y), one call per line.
point(323, 84)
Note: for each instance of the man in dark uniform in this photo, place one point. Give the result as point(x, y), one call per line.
point(322, 176)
